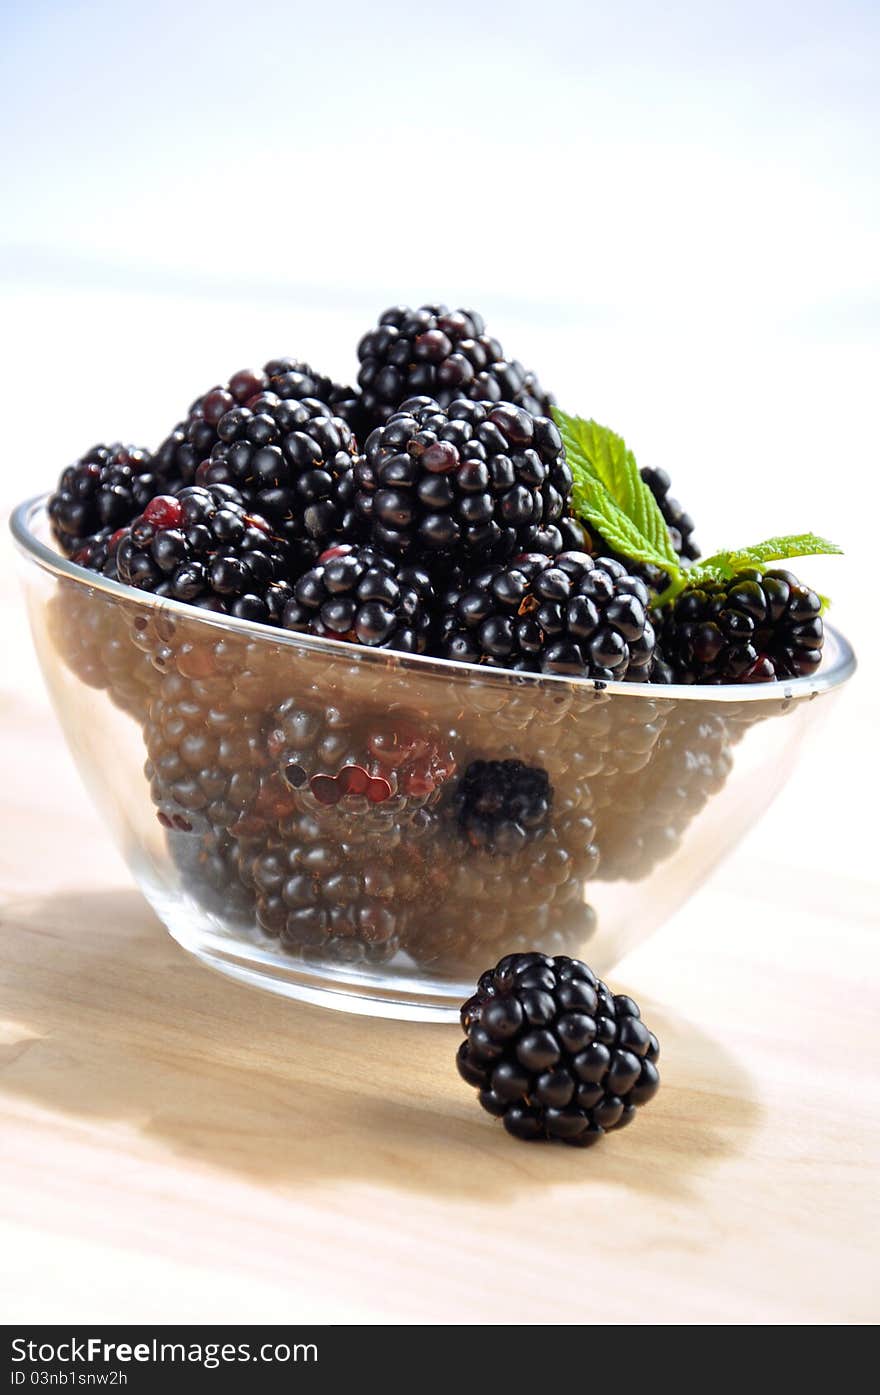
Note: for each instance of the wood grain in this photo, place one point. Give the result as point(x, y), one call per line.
point(176, 1147)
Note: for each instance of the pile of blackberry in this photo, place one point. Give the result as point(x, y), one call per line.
point(413, 513)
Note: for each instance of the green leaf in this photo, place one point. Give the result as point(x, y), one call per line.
point(597, 456)
point(723, 566)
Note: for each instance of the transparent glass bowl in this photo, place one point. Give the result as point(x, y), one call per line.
point(287, 804)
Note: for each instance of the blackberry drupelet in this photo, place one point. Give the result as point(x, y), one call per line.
point(571, 615)
point(291, 460)
point(475, 478)
point(104, 490)
point(357, 594)
point(679, 523)
point(553, 1052)
point(443, 354)
point(193, 439)
point(503, 804)
point(755, 628)
point(202, 546)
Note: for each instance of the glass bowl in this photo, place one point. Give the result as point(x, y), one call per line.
point(292, 806)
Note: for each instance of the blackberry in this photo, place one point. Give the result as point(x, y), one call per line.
point(679, 523)
point(755, 628)
point(291, 460)
point(481, 901)
point(193, 439)
point(443, 354)
point(202, 546)
point(573, 615)
point(503, 804)
point(647, 812)
point(92, 635)
point(553, 1052)
point(328, 899)
point(210, 867)
point(207, 763)
point(104, 490)
point(356, 593)
point(475, 478)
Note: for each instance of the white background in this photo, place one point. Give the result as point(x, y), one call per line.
point(671, 212)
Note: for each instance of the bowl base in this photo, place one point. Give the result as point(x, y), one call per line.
point(371, 997)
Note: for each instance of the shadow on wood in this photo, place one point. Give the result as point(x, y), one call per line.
point(111, 1021)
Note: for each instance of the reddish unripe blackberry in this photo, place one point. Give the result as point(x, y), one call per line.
point(291, 460)
point(554, 1053)
point(570, 615)
point(104, 490)
point(474, 479)
point(439, 353)
point(755, 628)
point(358, 594)
point(362, 772)
point(202, 546)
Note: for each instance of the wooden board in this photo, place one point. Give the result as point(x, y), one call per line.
point(176, 1147)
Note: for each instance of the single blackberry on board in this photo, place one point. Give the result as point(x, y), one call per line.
point(503, 804)
point(291, 460)
point(553, 1052)
point(358, 594)
point(755, 628)
point(203, 546)
point(439, 353)
point(473, 478)
point(104, 490)
point(570, 615)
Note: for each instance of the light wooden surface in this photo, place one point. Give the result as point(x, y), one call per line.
point(176, 1147)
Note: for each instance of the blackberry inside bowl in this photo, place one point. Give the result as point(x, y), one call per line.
point(367, 829)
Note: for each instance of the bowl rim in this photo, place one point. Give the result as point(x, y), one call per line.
point(830, 675)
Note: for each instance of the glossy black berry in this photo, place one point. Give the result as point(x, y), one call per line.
point(755, 628)
point(204, 547)
point(571, 615)
point(679, 523)
point(193, 439)
point(502, 804)
point(439, 353)
point(103, 491)
point(553, 1052)
point(291, 461)
point(359, 594)
point(473, 479)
